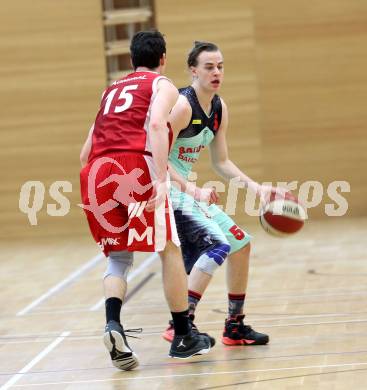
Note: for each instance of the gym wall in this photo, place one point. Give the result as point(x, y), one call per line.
point(295, 85)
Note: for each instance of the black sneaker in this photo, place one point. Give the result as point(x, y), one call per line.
point(191, 344)
point(196, 330)
point(169, 333)
point(122, 355)
point(237, 333)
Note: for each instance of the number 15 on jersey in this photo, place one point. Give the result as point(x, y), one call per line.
point(125, 97)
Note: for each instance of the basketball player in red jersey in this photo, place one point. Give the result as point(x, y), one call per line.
point(125, 196)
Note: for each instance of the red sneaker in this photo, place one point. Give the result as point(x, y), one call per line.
point(169, 333)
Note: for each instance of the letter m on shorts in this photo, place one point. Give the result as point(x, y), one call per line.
point(134, 235)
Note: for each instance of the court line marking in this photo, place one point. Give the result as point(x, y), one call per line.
point(14, 379)
point(282, 378)
point(359, 320)
point(65, 282)
point(83, 308)
point(89, 334)
point(327, 294)
point(254, 298)
point(214, 361)
point(132, 275)
point(253, 317)
point(195, 374)
point(138, 287)
point(158, 334)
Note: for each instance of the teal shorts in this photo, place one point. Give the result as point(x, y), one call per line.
point(201, 227)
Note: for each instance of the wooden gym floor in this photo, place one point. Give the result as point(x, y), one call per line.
point(308, 292)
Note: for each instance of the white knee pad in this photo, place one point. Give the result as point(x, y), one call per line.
point(119, 264)
point(212, 259)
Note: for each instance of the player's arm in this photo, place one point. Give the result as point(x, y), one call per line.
point(220, 159)
point(180, 116)
point(163, 103)
point(179, 119)
point(226, 168)
point(84, 154)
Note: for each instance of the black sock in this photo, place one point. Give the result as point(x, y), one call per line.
point(181, 322)
point(113, 308)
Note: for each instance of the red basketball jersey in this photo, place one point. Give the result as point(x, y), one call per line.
point(122, 121)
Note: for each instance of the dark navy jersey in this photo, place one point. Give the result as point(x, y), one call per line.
point(199, 118)
point(198, 134)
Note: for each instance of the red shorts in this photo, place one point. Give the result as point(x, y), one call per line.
point(114, 191)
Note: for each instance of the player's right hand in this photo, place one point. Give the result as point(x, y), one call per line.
point(159, 195)
point(266, 192)
point(207, 195)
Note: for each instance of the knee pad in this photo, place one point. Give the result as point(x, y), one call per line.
point(212, 259)
point(119, 264)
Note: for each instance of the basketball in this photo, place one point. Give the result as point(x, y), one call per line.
point(282, 217)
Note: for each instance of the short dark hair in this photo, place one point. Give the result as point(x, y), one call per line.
point(199, 47)
point(147, 48)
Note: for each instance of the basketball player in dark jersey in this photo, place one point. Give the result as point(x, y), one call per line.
point(208, 235)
